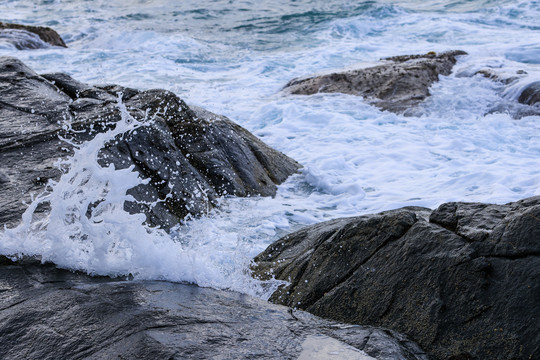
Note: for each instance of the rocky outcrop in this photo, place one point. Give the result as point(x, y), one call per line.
point(399, 83)
point(530, 94)
point(48, 313)
point(190, 155)
point(463, 281)
point(493, 75)
point(29, 37)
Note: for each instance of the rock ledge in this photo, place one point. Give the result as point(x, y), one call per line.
point(399, 83)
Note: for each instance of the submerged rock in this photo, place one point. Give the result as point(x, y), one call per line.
point(516, 110)
point(29, 37)
point(190, 155)
point(396, 85)
point(48, 313)
point(462, 281)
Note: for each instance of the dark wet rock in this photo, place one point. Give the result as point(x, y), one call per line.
point(528, 103)
point(190, 155)
point(530, 95)
point(463, 281)
point(399, 83)
point(29, 37)
point(495, 76)
point(48, 313)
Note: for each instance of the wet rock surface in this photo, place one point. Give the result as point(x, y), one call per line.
point(48, 313)
point(463, 281)
point(530, 94)
point(24, 37)
point(190, 155)
point(527, 99)
point(397, 85)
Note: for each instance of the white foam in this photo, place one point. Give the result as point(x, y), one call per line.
point(88, 229)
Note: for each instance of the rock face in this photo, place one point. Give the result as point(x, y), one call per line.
point(29, 37)
point(462, 281)
point(190, 155)
point(47, 313)
point(396, 85)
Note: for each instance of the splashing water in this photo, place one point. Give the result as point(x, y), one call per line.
point(233, 58)
point(89, 230)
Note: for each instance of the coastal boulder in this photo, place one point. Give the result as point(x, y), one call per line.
point(396, 85)
point(189, 156)
point(49, 313)
point(530, 94)
point(462, 281)
point(29, 37)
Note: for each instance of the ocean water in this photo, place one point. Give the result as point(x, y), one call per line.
point(233, 58)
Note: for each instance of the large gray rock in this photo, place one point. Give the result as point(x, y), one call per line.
point(191, 156)
point(463, 281)
point(399, 83)
point(47, 313)
point(29, 37)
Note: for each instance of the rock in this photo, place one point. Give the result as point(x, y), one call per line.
point(462, 281)
point(190, 155)
point(396, 85)
point(498, 77)
point(530, 94)
point(515, 109)
point(29, 37)
point(48, 313)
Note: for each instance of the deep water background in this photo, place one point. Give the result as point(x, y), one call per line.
point(234, 57)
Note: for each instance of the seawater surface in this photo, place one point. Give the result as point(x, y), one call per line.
point(234, 57)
